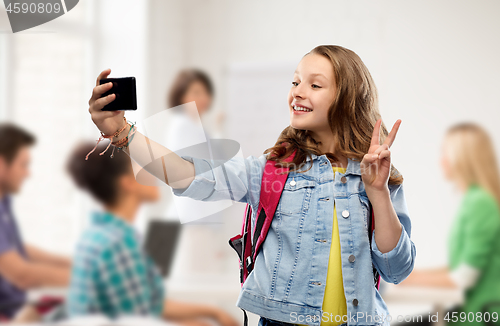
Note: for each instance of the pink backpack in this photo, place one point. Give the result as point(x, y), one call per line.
point(242, 243)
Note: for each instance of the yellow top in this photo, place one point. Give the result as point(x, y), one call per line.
point(334, 302)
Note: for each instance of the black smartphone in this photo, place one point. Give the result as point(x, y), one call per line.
point(125, 91)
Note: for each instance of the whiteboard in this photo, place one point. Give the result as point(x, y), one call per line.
point(256, 108)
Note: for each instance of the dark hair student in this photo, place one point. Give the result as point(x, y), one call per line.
point(12, 139)
point(112, 275)
point(98, 176)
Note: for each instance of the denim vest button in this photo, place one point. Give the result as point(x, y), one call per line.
point(292, 183)
point(345, 213)
point(343, 179)
point(352, 258)
point(355, 302)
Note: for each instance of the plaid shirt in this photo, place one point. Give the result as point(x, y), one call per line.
point(111, 273)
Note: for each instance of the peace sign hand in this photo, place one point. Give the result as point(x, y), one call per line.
point(376, 164)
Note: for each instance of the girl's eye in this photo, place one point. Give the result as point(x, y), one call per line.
point(315, 86)
point(295, 83)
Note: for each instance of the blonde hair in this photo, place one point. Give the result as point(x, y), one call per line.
point(471, 155)
point(352, 115)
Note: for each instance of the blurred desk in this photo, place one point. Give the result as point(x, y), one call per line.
point(35, 295)
point(440, 298)
point(204, 288)
point(223, 286)
point(218, 289)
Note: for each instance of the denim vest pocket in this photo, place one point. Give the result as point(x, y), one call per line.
point(296, 195)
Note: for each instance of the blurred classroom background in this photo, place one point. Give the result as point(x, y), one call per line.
point(434, 63)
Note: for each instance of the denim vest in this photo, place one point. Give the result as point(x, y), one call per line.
point(289, 275)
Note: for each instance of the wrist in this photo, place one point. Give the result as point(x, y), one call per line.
point(377, 193)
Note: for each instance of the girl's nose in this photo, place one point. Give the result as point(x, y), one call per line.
point(297, 92)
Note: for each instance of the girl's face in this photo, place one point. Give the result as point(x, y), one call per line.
point(313, 90)
point(198, 92)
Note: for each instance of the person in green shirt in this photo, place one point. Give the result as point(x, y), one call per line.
point(469, 161)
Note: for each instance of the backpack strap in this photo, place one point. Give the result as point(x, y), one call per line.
point(371, 227)
point(240, 244)
point(273, 182)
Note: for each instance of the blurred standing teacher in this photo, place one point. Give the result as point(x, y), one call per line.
point(188, 127)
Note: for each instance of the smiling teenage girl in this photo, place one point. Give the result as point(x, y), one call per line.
point(342, 163)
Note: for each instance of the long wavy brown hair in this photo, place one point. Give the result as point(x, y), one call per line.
point(352, 116)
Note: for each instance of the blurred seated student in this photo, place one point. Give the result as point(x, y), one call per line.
point(22, 266)
point(112, 274)
point(468, 160)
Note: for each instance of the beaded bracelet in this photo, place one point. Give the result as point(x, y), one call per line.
point(103, 136)
point(132, 136)
point(120, 142)
point(128, 139)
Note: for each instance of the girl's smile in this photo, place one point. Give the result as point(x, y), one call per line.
point(300, 109)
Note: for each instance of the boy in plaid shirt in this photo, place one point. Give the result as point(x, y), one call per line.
point(112, 275)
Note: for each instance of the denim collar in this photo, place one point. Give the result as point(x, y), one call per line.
point(353, 166)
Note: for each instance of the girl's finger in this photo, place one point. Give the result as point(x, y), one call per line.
point(102, 102)
point(392, 135)
point(367, 162)
point(376, 133)
point(385, 154)
point(369, 159)
point(99, 90)
point(381, 148)
point(103, 74)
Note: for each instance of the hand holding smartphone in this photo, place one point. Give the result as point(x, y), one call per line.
point(125, 91)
